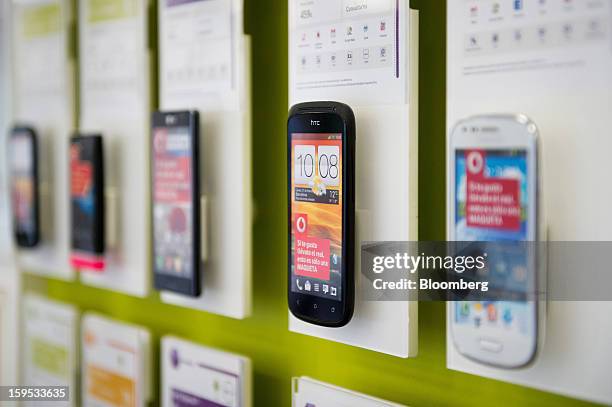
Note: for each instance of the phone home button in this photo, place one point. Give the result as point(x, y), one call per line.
point(490, 345)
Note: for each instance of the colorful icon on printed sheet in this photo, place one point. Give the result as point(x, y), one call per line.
point(317, 186)
point(464, 309)
point(491, 312)
point(507, 316)
point(518, 5)
point(174, 358)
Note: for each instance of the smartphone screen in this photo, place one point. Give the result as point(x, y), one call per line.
point(316, 214)
point(175, 215)
point(24, 186)
point(87, 195)
point(492, 204)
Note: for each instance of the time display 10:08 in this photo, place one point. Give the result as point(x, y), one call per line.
point(317, 161)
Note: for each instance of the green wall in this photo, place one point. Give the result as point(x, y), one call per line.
point(276, 353)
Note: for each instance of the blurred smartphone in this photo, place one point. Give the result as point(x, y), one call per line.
point(87, 201)
point(176, 202)
point(494, 197)
point(24, 186)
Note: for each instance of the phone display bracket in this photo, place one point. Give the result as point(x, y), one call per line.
point(386, 148)
point(225, 179)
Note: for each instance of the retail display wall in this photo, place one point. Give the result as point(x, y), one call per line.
point(277, 355)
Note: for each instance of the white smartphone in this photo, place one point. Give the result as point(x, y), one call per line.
point(493, 196)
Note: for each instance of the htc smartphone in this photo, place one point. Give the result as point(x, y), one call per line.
point(494, 197)
point(24, 186)
point(87, 202)
point(176, 197)
point(321, 187)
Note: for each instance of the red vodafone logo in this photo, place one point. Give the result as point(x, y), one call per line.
point(475, 162)
point(301, 223)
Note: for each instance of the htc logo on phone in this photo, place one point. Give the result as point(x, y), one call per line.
point(315, 122)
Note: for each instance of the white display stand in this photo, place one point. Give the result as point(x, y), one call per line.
point(50, 345)
point(198, 375)
point(43, 97)
point(6, 242)
point(223, 102)
point(9, 276)
point(10, 288)
point(561, 79)
point(309, 392)
point(116, 102)
point(386, 161)
point(116, 366)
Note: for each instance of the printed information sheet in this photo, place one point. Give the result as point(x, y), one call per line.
point(193, 375)
point(311, 393)
point(50, 345)
point(39, 37)
point(348, 50)
point(112, 366)
point(113, 37)
point(199, 45)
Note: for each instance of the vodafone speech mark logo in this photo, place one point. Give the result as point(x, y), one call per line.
point(475, 162)
point(301, 223)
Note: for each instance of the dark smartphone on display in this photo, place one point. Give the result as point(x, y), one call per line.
point(176, 202)
point(321, 189)
point(87, 201)
point(23, 159)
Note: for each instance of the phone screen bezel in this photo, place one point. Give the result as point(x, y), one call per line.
point(92, 143)
point(28, 240)
point(314, 309)
point(191, 285)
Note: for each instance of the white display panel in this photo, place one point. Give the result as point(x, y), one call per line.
point(550, 61)
point(43, 98)
point(115, 363)
point(9, 325)
point(205, 65)
point(194, 375)
point(6, 243)
point(115, 102)
point(312, 393)
point(50, 345)
point(386, 143)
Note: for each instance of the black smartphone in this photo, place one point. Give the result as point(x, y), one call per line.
point(87, 201)
point(321, 189)
point(176, 202)
point(23, 159)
